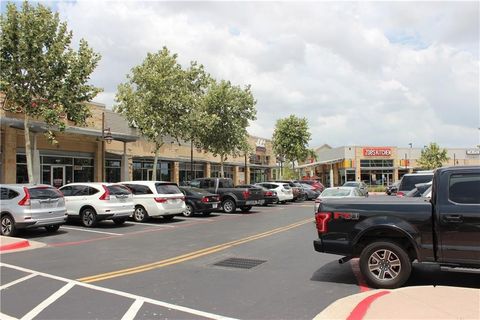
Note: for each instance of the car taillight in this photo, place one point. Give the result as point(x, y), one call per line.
point(246, 194)
point(269, 193)
point(321, 219)
point(106, 194)
point(160, 199)
point(205, 199)
point(26, 199)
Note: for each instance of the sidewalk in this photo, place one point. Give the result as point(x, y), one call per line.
point(12, 244)
point(425, 302)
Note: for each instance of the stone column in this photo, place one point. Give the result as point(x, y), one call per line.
point(208, 171)
point(176, 172)
point(9, 162)
point(236, 177)
point(331, 176)
point(358, 171)
point(395, 174)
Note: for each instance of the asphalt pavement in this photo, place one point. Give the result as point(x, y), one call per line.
point(181, 269)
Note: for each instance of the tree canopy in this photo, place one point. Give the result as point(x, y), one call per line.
point(226, 112)
point(432, 157)
point(160, 98)
point(290, 139)
point(40, 74)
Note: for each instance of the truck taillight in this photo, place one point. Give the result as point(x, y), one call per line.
point(26, 199)
point(321, 219)
point(246, 194)
point(106, 194)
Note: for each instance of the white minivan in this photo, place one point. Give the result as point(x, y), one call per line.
point(156, 199)
point(96, 201)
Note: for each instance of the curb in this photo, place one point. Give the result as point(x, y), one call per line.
point(16, 245)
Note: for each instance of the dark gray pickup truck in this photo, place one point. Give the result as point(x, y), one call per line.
point(231, 197)
point(389, 235)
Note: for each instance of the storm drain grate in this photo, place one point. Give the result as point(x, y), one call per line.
point(240, 263)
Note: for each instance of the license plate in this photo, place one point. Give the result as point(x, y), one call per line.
point(252, 202)
point(261, 201)
point(122, 199)
point(214, 206)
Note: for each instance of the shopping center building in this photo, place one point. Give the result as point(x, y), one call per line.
point(375, 165)
point(108, 149)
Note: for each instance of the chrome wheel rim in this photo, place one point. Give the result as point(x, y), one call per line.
point(88, 218)
point(384, 265)
point(228, 206)
point(139, 214)
point(6, 226)
point(188, 210)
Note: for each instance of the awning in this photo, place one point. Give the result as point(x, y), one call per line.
point(40, 127)
point(313, 164)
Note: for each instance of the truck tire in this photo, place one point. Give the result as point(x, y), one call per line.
point(229, 206)
point(385, 264)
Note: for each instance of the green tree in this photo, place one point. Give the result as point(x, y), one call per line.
point(41, 76)
point(290, 139)
point(432, 157)
point(226, 111)
point(160, 99)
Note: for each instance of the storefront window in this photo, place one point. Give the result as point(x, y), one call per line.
point(143, 170)
point(186, 174)
point(227, 171)
point(113, 170)
point(257, 175)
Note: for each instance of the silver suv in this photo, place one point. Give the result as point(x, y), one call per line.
point(31, 206)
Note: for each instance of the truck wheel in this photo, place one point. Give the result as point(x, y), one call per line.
point(385, 265)
point(229, 206)
point(246, 208)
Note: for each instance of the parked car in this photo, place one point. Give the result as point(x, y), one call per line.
point(419, 190)
point(283, 190)
point(310, 192)
point(392, 189)
point(155, 199)
point(338, 193)
point(409, 181)
point(296, 190)
point(362, 186)
point(25, 206)
point(317, 185)
point(96, 201)
point(388, 236)
point(199, 201)
point(269, 196)
point(231, 197)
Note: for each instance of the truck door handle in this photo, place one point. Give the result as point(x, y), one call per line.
point(453, 218)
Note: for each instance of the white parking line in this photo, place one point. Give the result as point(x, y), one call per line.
point(198, 218)
point(17, 281)
point(133, 310)
point(71, 283)
point(93, 231)
point(45, 303)
point(152, 224)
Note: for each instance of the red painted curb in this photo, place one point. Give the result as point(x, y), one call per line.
point(362, 307)
point(16, 245)
point(360, 279)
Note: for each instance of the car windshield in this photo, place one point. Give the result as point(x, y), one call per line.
point(167, 188)
point(44, 193)
point(336, 193)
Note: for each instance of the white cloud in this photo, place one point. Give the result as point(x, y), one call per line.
point(362, 73)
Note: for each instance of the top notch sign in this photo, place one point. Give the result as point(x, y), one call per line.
point(377, 152)
point(261, 144)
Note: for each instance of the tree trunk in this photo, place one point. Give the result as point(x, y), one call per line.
point(155, 161)
point(221, 166)
point(28, 150)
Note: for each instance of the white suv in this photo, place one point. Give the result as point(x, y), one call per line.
point(283, 190)
point(156, 199)
point(96, 201)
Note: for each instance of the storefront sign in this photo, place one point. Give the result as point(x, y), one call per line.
point(472, 152)
point(377, 152)
point(261, 145)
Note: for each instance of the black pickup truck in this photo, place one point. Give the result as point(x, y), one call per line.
point(389, 235)
point(230, 197)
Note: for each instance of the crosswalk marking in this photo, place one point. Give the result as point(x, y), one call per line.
point(45, 303)
point(17, 281)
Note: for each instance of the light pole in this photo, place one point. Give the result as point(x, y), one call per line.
point(106, 137)
point(410, 155)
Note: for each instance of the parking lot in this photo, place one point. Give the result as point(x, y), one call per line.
point(259, 265)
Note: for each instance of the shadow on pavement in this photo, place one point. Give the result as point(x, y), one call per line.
point(335, 273)
point(423, 275)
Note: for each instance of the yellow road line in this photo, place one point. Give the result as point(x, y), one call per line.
point(189, 256)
